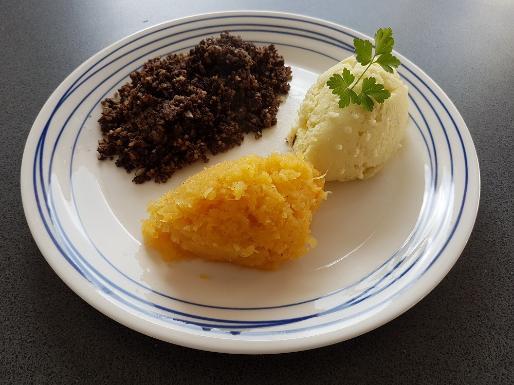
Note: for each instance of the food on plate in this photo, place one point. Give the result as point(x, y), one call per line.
point(254, 212)
point(178, 108)
point(354, 118)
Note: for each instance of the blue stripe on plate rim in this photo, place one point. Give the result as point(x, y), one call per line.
point(426, 212)
point(188, 302)
point(212, 306)
point(41, 143)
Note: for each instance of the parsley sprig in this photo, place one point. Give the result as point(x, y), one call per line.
point(371, 92)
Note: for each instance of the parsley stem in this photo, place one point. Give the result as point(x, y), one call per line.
point(363, 72)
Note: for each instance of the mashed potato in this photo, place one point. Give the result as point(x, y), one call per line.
point(254, 212)
point(350, 143)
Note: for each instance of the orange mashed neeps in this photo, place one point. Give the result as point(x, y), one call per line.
point(253, 212)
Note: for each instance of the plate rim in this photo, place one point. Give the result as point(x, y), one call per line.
point(92, 295)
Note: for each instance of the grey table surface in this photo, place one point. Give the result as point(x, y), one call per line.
point(461, 333)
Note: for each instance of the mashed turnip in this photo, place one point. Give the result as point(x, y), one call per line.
point(254, 212)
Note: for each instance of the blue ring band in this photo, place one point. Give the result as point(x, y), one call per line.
point(73, 90)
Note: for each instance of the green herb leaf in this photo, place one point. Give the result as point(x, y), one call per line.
point(344, 99)
point(348, 96)
point(339, 86)
point(371, 91)
point(366, 102)
point(354, 97)
point(348, 77)
point(387, 61)
point(363, 51)
point(384, 41)
point(338, 83)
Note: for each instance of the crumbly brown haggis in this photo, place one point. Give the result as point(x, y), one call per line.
point(179, 108)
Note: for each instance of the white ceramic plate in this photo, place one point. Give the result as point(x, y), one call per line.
point(383, 244)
